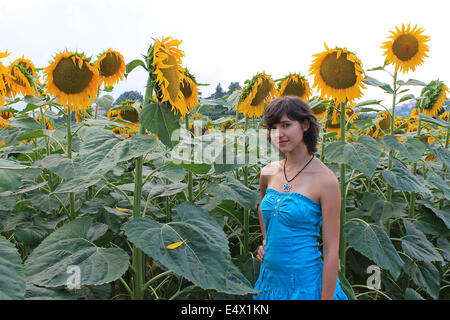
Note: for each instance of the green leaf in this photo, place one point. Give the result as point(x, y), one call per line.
point(444, 244)
point(25, 123)
point(412, 149)
point(441, 153)
point(158, 119)
point(234, 190)
point(406, 97)
point(380, 209)
point(437, 121)
point(372, 241)
point(134, 64)
point(99, 153)
point(401, 178)
point(410, 294)
point(60, 165)
point(435, 181)
point(425, 275)
point(367, 103)
point(374, 82)
point(10, 180)
point(444, 215)
point(203, 259)
point(12, 278)
point(362, 155)
point(68, 246)
point(416, 245)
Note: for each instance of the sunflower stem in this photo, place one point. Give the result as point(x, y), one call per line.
point(342, 247)
point(246, 212)
point(190, 182)
point(412, 198)
point(394, 98)
point(72, 214)
point(138, 258)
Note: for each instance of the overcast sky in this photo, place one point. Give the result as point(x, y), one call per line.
point(228, 40)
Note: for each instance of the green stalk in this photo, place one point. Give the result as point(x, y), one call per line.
point(246, 212)
point(138, 258)
point(190, 181)
point(342, 247)
point(394, 98)
point(412, 198)
point(69, 155)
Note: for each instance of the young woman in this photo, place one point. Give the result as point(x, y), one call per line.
point(299, 194)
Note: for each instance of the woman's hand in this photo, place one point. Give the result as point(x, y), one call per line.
point(260, 255)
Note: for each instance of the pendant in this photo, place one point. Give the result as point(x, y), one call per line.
point(287, 187)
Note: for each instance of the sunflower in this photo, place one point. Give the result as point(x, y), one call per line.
point(333, 116)
point(48, 125)
point(111, 67)
point(80, 115)
point(167, 73)
point(129, 114)
point(5, 79)
point(73, 80)
point(406, 48)
point(22, 72)
point(259, 91)
point(294, 85)
point(320, 109)
point(434, 95)
point(338, 74)
point(383, 124)
point(189, 89)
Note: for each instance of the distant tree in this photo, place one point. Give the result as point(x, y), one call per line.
point(219, 92)
point(233, 87)
point(129, 95)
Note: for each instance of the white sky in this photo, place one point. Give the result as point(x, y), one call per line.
point(226, 40)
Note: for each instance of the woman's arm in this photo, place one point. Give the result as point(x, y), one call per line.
point(262, 187)
point(331, 207)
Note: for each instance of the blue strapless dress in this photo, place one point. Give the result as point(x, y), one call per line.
point(292, 265)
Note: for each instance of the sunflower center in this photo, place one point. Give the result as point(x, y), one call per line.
point(338, 73)
point(186, 89)
point(385, 123)
point(261, 93)
point(109, 65)
point(71, 79)
point(130, 115)
point(294, 88)
point(173, 77)
point(405, 47)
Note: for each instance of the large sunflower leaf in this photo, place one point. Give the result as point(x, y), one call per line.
point(425, 275)
point(99, 152)
point(234, 190)
point(416, 245)
point(362, 155)
point(372, 241)
point(401, 178)
point(12, 278)
point(69, 246)
point(441, 153)
point(203, 258)
point(158, 119)
point(412, 149)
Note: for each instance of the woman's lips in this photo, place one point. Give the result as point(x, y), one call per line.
point(282, 142)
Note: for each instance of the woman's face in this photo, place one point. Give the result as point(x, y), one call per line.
point(287, 134)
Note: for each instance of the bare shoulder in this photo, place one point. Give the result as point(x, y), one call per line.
point(270, 168)
point(327, 177)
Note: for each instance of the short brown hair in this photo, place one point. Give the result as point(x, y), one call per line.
point(296, 109)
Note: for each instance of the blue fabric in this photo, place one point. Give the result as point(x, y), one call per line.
point(292, 264)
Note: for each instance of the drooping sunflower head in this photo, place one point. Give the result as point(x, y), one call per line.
point(382, 124)
point(189, 89)
point(319, 107)
point(5, 79)
point(294, 85)
point(23, 73)
point(406, 48)
point(111, 67)
point(127, 111)
point(338, 74)
point(434, 95)
point(73, 80)
point(164, 62)
point(258, 91)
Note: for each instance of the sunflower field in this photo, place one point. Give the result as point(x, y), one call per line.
point(154, 200)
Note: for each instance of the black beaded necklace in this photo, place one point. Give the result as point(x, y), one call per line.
point(287, 186)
